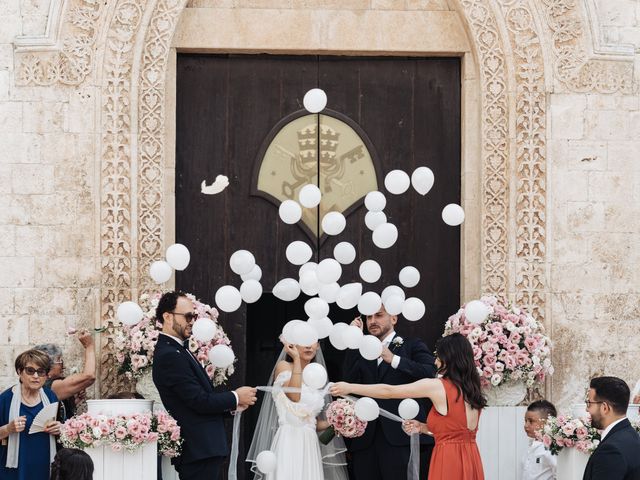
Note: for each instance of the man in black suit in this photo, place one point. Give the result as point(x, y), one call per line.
point(188, 395)
point(383, 451)
point(618, 455)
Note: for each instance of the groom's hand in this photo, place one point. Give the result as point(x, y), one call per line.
point(386, 355)
point(246, 396)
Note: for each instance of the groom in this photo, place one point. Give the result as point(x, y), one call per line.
point(383, 451)
point(187, 393)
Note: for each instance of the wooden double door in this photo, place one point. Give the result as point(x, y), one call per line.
point(230, 110)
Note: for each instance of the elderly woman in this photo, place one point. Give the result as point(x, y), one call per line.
point(70, 390)
point(25, 456)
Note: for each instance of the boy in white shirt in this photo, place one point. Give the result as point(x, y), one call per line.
point(538, 463)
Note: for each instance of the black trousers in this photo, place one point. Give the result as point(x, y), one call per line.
point(205, 469)
point(382, 461)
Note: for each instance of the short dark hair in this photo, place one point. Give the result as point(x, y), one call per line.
point(543, 406)
point(71, 464)
point(167, 303)
point(37, 357)
point(612, 390)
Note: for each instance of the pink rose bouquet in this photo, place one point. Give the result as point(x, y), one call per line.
point(134, 345)
point(509, 344)
point(343, 421)
point(123, 432)
point(566, 431)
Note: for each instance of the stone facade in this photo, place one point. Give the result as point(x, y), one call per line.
point(551, 179)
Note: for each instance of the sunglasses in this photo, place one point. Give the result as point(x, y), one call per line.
point(32, 371)
point(189, 316)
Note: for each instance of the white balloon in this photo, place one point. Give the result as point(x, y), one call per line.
point(349, 295)
point(290, 212)
point(322, 326)
point(370, 271)
point(413, 309)
point(476, 311)
point(307, 267)
point(375, 201)
point(228, 298)
point(309, 283)
point(385, 235)
point(288, 331)
point(286, 289)
point(204, 329)
point(316, 308)
point(178, 256)
point(422, 180)
point(304, 334)
point(409, 276)
point(251, 291)
point(254, 274)
point(333, 223)
point(373, 219)
point(298, 252)
point(315, 100)
point(352, 336)
point(392, 290)
point(329, 271)
point(160, 271)
point(129, 313)
point(329, 292)
point(310, 196)
point(242, 262)
point(370, 347)
point(221, 356)
point(335, 337)
point(266, 461)
point(453, 214)
point(394, 304)
point(397, 182)
point(314, 375)
point(344, 253)
point(408, 409)
point(369, 303)
point(366, 409)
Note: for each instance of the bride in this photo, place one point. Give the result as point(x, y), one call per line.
point(289, 421)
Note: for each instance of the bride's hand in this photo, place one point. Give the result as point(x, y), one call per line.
point(291, 350)
point(340, 389)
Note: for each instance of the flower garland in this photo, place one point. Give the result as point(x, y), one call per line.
point(134, 345)
point(509, 344)
point(123, 432)
point(566, 431)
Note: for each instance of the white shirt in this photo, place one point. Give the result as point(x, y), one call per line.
point(538, 463)
point(395, 361)
point(181, 342)
point(606, 431)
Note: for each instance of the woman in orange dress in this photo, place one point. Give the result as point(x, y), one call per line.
point(453, 421)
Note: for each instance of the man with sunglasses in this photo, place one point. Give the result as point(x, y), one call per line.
point(618, 454)
point(188, 394)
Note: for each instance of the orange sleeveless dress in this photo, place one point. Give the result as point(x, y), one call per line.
point(455, 455)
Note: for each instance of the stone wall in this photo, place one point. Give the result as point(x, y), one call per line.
point(52, 264)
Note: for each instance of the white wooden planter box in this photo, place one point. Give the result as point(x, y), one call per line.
point(139, 465)
point(571, 464)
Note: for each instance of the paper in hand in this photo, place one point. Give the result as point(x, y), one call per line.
point(45, 416)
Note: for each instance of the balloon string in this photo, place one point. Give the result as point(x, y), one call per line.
point(413, 467)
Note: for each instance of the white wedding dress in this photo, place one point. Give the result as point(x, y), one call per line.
point(296, 443)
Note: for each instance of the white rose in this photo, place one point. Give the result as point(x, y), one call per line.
point(496, 378)
point(510, 326)
point(516, 310)
point(535, 360)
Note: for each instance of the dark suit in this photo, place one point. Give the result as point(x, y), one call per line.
point(617, 457)
point(188, 395)
point(383, 451)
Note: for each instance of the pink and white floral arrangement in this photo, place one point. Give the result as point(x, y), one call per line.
point(123, 432)
point(342, 419)
point(508, 345)
point(566, 431)
point(134, 345)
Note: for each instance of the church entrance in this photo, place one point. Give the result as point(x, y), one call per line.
point(242, 116)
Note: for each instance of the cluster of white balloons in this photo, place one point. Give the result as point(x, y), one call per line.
point(229, 298)
point(177, 258)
